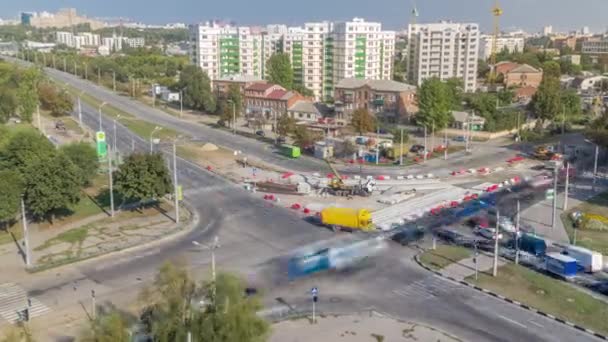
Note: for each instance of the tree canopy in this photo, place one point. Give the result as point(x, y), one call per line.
point(280, 71)
point(84, 156)
point(58, 102)
point(363, 121)
point(196, 88)
point(285, 125)
point(233, 101)
point(547, 100)
point(143, 177)
point(11, 188)
point(435, 102)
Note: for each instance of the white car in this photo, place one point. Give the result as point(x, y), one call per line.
point(487, 233)
point(506, 224)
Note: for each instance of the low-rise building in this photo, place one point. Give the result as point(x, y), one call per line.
point(462, 120)
point(269, 100)
point(304, 110)
point(386, 98)
point(573, 59)
point(523, 75)
point(221, 85)
point(595, 46)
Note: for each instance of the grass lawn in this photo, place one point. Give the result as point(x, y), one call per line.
point(547, 294)
point(443, 256)
point(593, 239)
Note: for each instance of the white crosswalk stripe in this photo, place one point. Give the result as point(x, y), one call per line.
point(13, 300)
point(426, 289)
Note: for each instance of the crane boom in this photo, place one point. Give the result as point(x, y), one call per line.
point(336, 173)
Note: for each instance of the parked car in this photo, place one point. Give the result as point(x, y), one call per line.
point(480, 221)
point(408, 236)
point(448, 235)
point(460, 138)
point(260, 133)
point(416, 148)
point(487, 233)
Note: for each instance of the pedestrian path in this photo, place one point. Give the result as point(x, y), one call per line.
point(14, 300)
point(466, 267)
point(427, 288)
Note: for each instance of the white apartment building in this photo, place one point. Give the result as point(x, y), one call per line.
point(510, 43)
point(135, 43)
point(321, 53)
point(225, 50)
point(443, 50)
point(77, 41)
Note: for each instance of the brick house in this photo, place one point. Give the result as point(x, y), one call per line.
point(221, 85)
point(269, 100)
point(523, 75)
point(385, 98)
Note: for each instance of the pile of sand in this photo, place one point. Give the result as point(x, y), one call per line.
point(209, 147)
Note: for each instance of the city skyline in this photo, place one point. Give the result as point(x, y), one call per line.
point(393, 14)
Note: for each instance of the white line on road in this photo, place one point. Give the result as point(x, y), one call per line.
point(537, 324)
point(512, 321)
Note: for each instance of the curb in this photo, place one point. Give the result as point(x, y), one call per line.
point(511, 301)
point(194, 221)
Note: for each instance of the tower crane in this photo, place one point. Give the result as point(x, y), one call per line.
point(496, 12)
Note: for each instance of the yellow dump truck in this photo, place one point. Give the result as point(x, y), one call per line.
point(347, 219)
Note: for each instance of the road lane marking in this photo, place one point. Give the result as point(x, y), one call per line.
point(537, 324)
point(512, 321)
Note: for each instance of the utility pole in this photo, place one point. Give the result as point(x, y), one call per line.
point(517, 235)
point(65, 65)
point(424, 144)
point(93, 305)
point(109, 155)
point(597, 151)
point(567, 186)
point(401, 149)
point(377, 143)
point(79, 112)
point(114, 131)
point(26, 238)
point(433, 136)
point(475, 259)
point(39, 119)
point(75, 69)
point(86, 71)
point(54, 63)
point(234, 120)
point(563, 118)
point(445, 143)
point(554, 215)
point(114, 81)
point(175, 185)
point(496, 237)
point(98, 75)
point(181, 103)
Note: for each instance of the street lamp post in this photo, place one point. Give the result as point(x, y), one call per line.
point(597, 150)
point(156, 129)
point(216, 244)
point(234, 117)
point(26, 239)
point(175, 185)
point(114, 131)
point(110, 181)
point(496, 238)
point(100, 106)
point(114, 81)
point(80, 108)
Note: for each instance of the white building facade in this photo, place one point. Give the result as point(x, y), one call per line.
point(321, 53)
point(511, 44)
point(444, 50)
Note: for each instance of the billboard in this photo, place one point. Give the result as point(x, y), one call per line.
point(102, 147)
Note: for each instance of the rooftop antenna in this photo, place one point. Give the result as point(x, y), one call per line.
point(414, 14)
point(496, 12)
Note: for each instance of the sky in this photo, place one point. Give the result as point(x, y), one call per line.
point(531, 15)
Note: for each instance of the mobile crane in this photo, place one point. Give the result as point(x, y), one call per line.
point(337, 186)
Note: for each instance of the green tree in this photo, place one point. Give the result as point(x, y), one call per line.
point(52, 182)
point(397, 136)
point(434, 102)
point(551, 69)
point(84, 156)
point(571, 102)
point(232, 102)
point(280, 71)
point(547, 100)
point(143, 177)
point(196, 88)
point(230, 316)
point(505, 97)
point(303, 90)
point(285, 125)
point(8, 104)
point(59, 103)
point(483, 68)
point(454, 87)
point(362, 121)
point(110, 327)
point(303, 137)
point(11, 188)
point(27, 93)
point(23, 148)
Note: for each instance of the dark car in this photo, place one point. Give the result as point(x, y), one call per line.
point(416, 148)
point(448, 235)
point(408, 236)
point(260, 133)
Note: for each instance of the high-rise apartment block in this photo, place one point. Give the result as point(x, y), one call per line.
point(321, 54)
point(443, 50)
point(509, 43)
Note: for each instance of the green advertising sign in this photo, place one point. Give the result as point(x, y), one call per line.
point(102, 147)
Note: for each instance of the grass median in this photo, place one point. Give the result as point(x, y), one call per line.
point(443, 256)
point(596, 240)
point(547, 294)
point(140, 127)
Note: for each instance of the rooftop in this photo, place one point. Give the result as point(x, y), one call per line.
point(259, 86)
point(304, 106)
point(241, 78)
point(379, 85)
point(525, 68)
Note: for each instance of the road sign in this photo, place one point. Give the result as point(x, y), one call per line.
point(102, 147)
point(314, 291)
point(549, 194)
point(180, 193)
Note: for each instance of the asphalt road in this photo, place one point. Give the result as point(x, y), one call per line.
point(254, 235)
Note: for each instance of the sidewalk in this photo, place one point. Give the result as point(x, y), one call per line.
point(466, 267)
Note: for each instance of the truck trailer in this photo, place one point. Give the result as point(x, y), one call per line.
point(588, 260)
point(347, 219)
point(561, 265)
point(290, 151)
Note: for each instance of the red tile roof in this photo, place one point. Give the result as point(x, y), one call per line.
point(528, 91)
point(259, 86)
point(276, 94)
